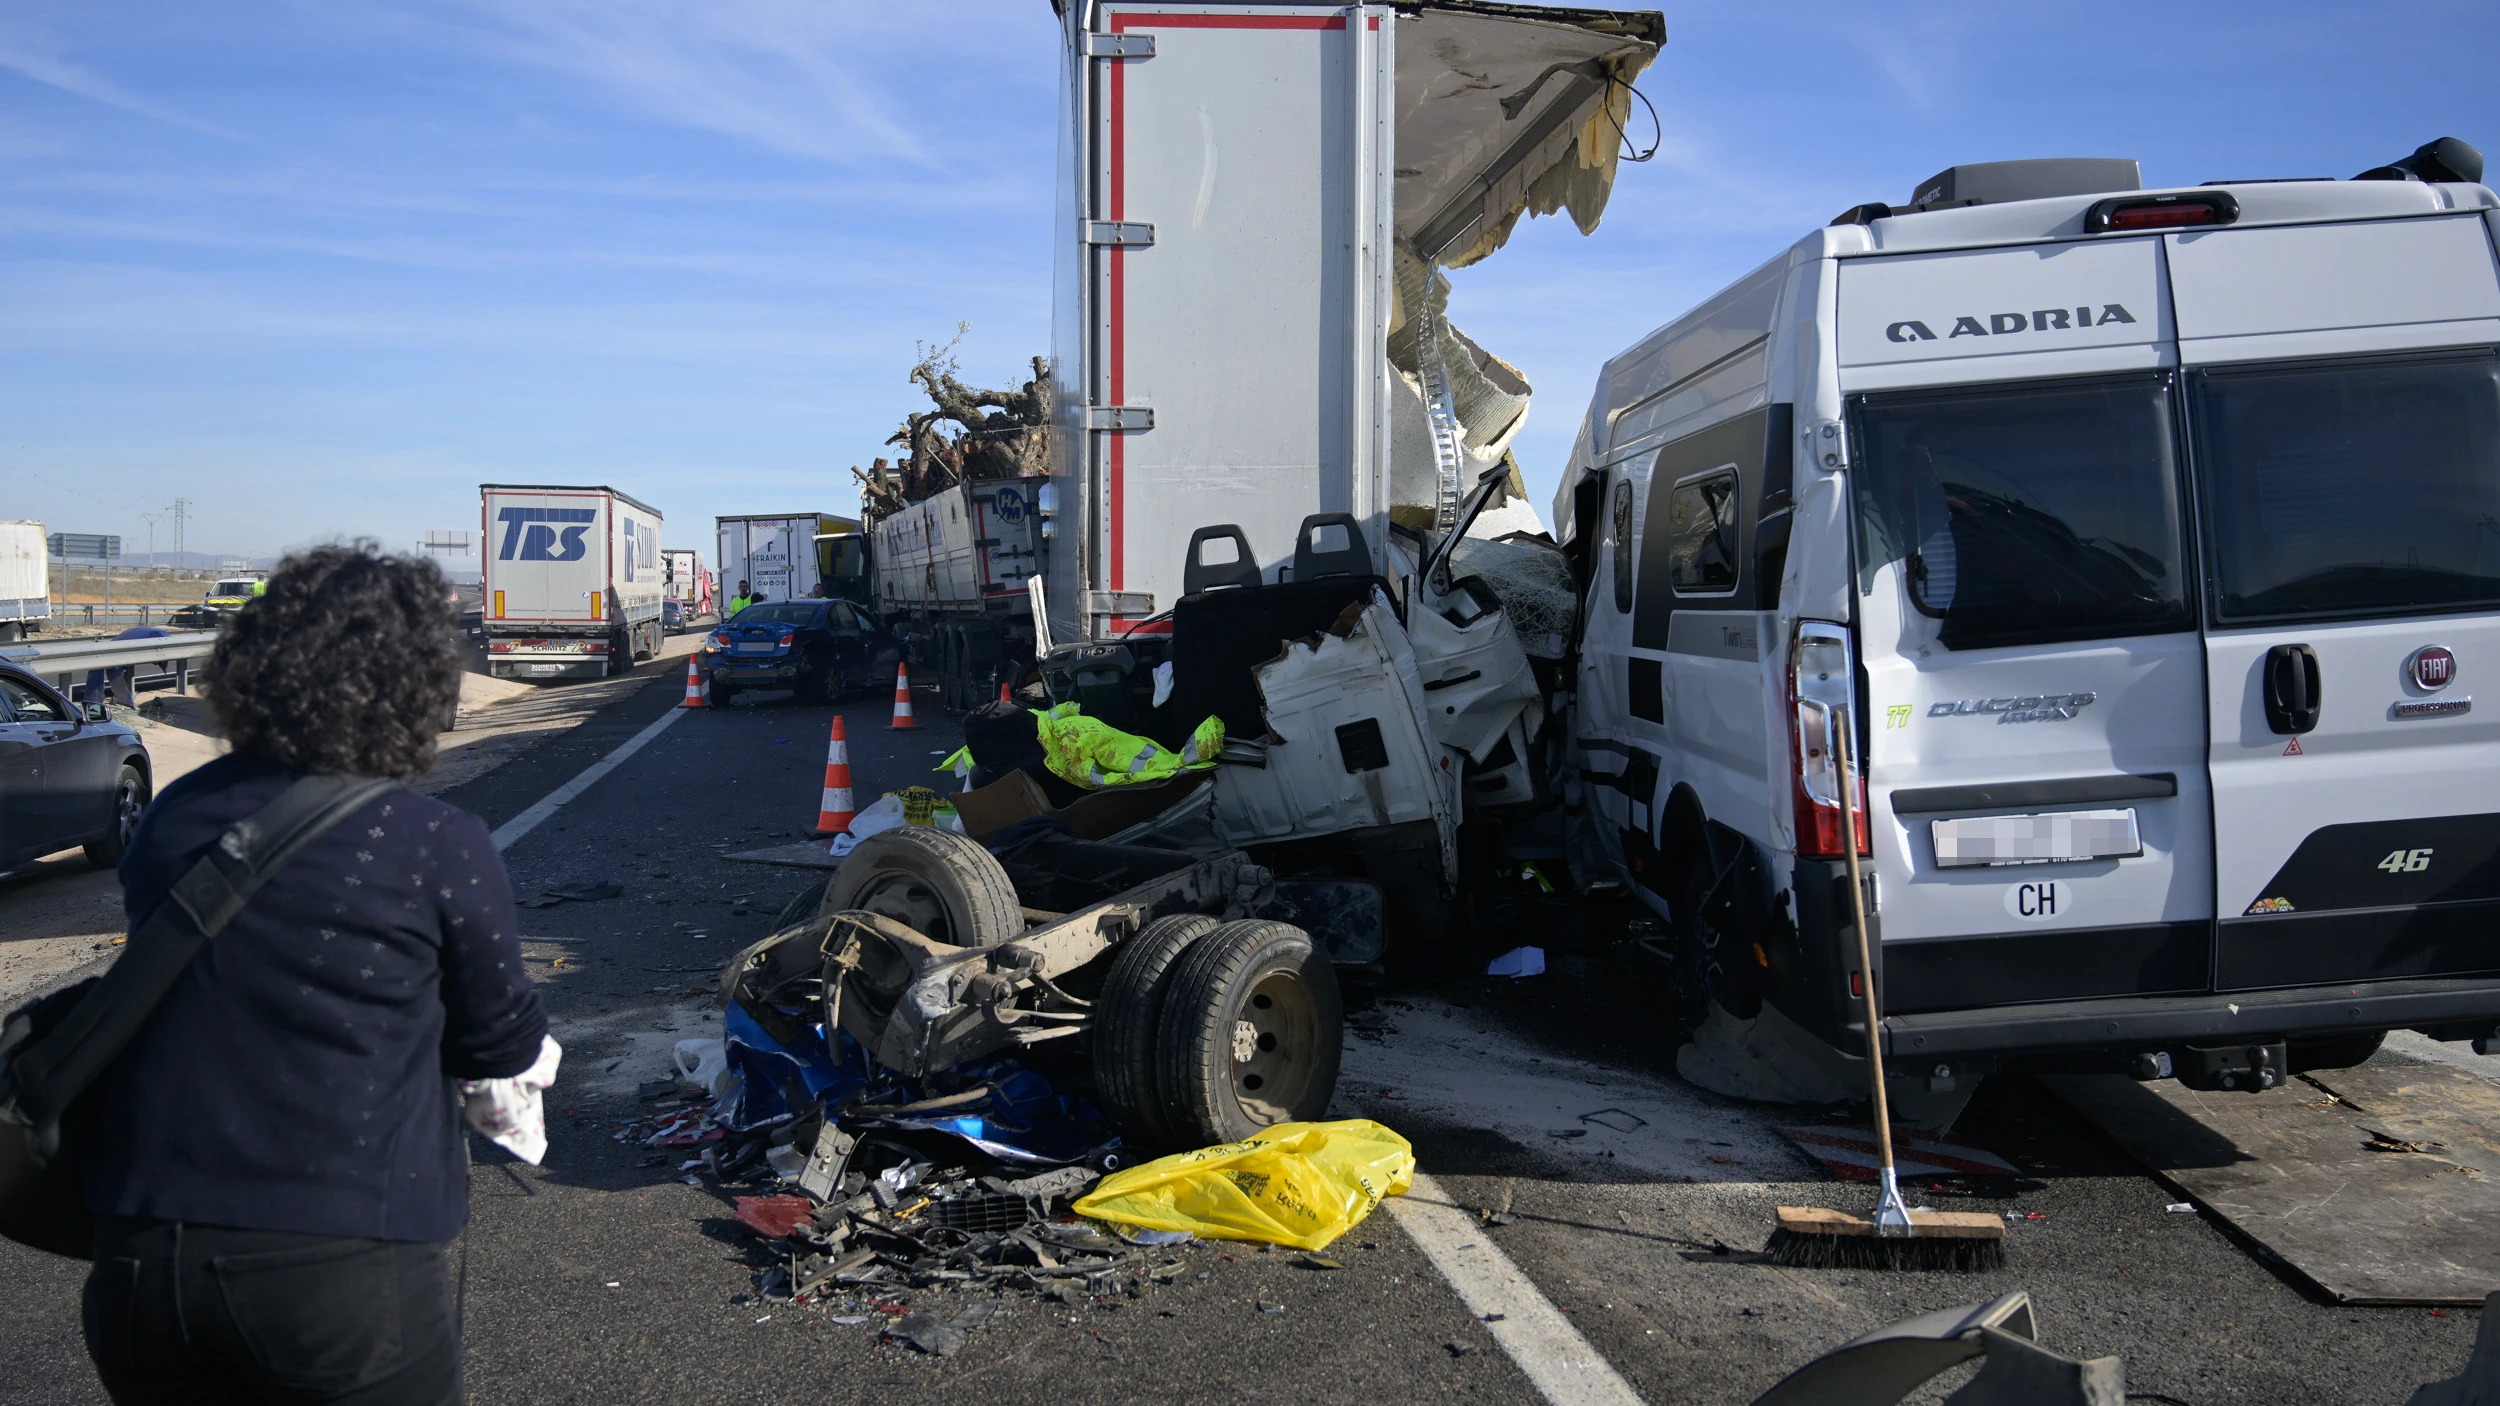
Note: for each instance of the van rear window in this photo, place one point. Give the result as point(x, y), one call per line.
point(2352, 489)
point(2026, 514)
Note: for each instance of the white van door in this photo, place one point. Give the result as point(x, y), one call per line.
point(2034, 693)
point(2351, 524)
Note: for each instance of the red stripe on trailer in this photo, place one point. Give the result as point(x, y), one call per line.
point(1136, 21)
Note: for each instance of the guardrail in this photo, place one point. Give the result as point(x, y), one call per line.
point(143, 614)
point(157, 658)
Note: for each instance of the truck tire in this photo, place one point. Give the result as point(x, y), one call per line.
point(1251, 1033)
point(130, 798)
point(941, 884)
point(802, 907)
point(1128, 1016)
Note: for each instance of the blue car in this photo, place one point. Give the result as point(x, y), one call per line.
point(823, 649)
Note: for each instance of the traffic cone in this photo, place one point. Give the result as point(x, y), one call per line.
point(902, 699)
point(834, 812)
point(698, 688)
point(1004, 696)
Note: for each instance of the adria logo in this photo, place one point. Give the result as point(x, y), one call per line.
point(2006, 324)
point(530, 535)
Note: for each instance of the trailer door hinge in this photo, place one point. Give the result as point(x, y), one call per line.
point(1120, 234)
point(1119, 46)
point(1119, 417)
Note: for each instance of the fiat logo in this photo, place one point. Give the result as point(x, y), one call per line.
point(2433, 667)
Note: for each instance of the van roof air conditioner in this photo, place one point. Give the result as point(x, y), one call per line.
point(1997, 182)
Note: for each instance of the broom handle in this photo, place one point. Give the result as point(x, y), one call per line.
point(1841, 724)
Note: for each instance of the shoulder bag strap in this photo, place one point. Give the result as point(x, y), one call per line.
point(47, 1076)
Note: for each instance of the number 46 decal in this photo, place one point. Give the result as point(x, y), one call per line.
point(2406, 861)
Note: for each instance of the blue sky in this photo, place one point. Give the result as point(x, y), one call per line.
point(322, 268)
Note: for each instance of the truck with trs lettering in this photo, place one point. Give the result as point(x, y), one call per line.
point(573, 581)
point(2143, 546)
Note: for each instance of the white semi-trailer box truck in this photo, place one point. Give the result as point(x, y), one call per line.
point(573, 581)
point(25, 585)
point(777, 553)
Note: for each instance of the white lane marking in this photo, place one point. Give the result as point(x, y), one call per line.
point(536, 815)
point(1564, 1368)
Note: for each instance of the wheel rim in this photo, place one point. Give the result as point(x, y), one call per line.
point(1275, 1047)
point(910, 902)
point(127, 803)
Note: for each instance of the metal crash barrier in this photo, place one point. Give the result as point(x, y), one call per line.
point(156, 660)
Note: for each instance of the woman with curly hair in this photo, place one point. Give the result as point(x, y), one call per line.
point(276, 1162)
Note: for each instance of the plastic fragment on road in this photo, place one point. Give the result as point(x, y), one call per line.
point(1091, 753)
point(1300, 1185)
point(2180, 1208)
point(916, 805)
point(587, 891)
point(774, 1217)
point(1518, 961)
point(704, 1064)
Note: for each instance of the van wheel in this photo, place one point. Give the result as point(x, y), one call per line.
point(130, 799)
point(2332, 1051)
point(1717, 966)
point(941, 885)
point(1251, 1032)
point(1128, 1016)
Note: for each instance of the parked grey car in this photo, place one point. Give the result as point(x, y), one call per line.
point(68, 776)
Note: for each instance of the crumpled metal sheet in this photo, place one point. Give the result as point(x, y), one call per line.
point(1457, 62)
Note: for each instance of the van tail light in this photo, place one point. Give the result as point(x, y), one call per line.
point(1822, 692)
point(2207, 208)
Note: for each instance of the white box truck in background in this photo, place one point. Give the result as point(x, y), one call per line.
point(778, 553)
point(25, 583)
point(686, 582)
point(573, 581)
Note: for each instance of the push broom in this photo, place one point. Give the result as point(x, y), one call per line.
point(1898, 1237)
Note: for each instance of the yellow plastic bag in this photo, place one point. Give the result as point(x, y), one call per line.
point(1296, 1184)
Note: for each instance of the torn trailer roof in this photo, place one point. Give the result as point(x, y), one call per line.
point(1258, 203)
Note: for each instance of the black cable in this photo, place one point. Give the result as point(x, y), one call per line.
point(1657, 129)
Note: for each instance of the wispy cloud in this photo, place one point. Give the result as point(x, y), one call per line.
point(790, 76)
point(30, 56)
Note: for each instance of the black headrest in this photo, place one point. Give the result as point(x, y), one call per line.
point(1201, 575)
point(1311, 561)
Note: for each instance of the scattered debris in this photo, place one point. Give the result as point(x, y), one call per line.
point(2389, 1142)
point(2180, 1208)
point(1849, 1153)
point(1616, 1119)
point(1518, 961)
point(1458, 1349)
point(586, 891)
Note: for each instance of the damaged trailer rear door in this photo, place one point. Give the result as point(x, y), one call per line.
point(1255, 199)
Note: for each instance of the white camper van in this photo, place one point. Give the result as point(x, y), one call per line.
point(2147, 543)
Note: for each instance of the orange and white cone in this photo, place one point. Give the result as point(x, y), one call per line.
point(698, 688)
point(902, 699)
point(1004, 696)
point(834, 813)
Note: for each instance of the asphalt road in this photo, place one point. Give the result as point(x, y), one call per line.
point(597, 1278)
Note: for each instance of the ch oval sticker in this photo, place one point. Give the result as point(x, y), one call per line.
point(2040, 901)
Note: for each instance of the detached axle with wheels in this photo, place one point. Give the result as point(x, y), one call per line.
point(1207, 1023)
